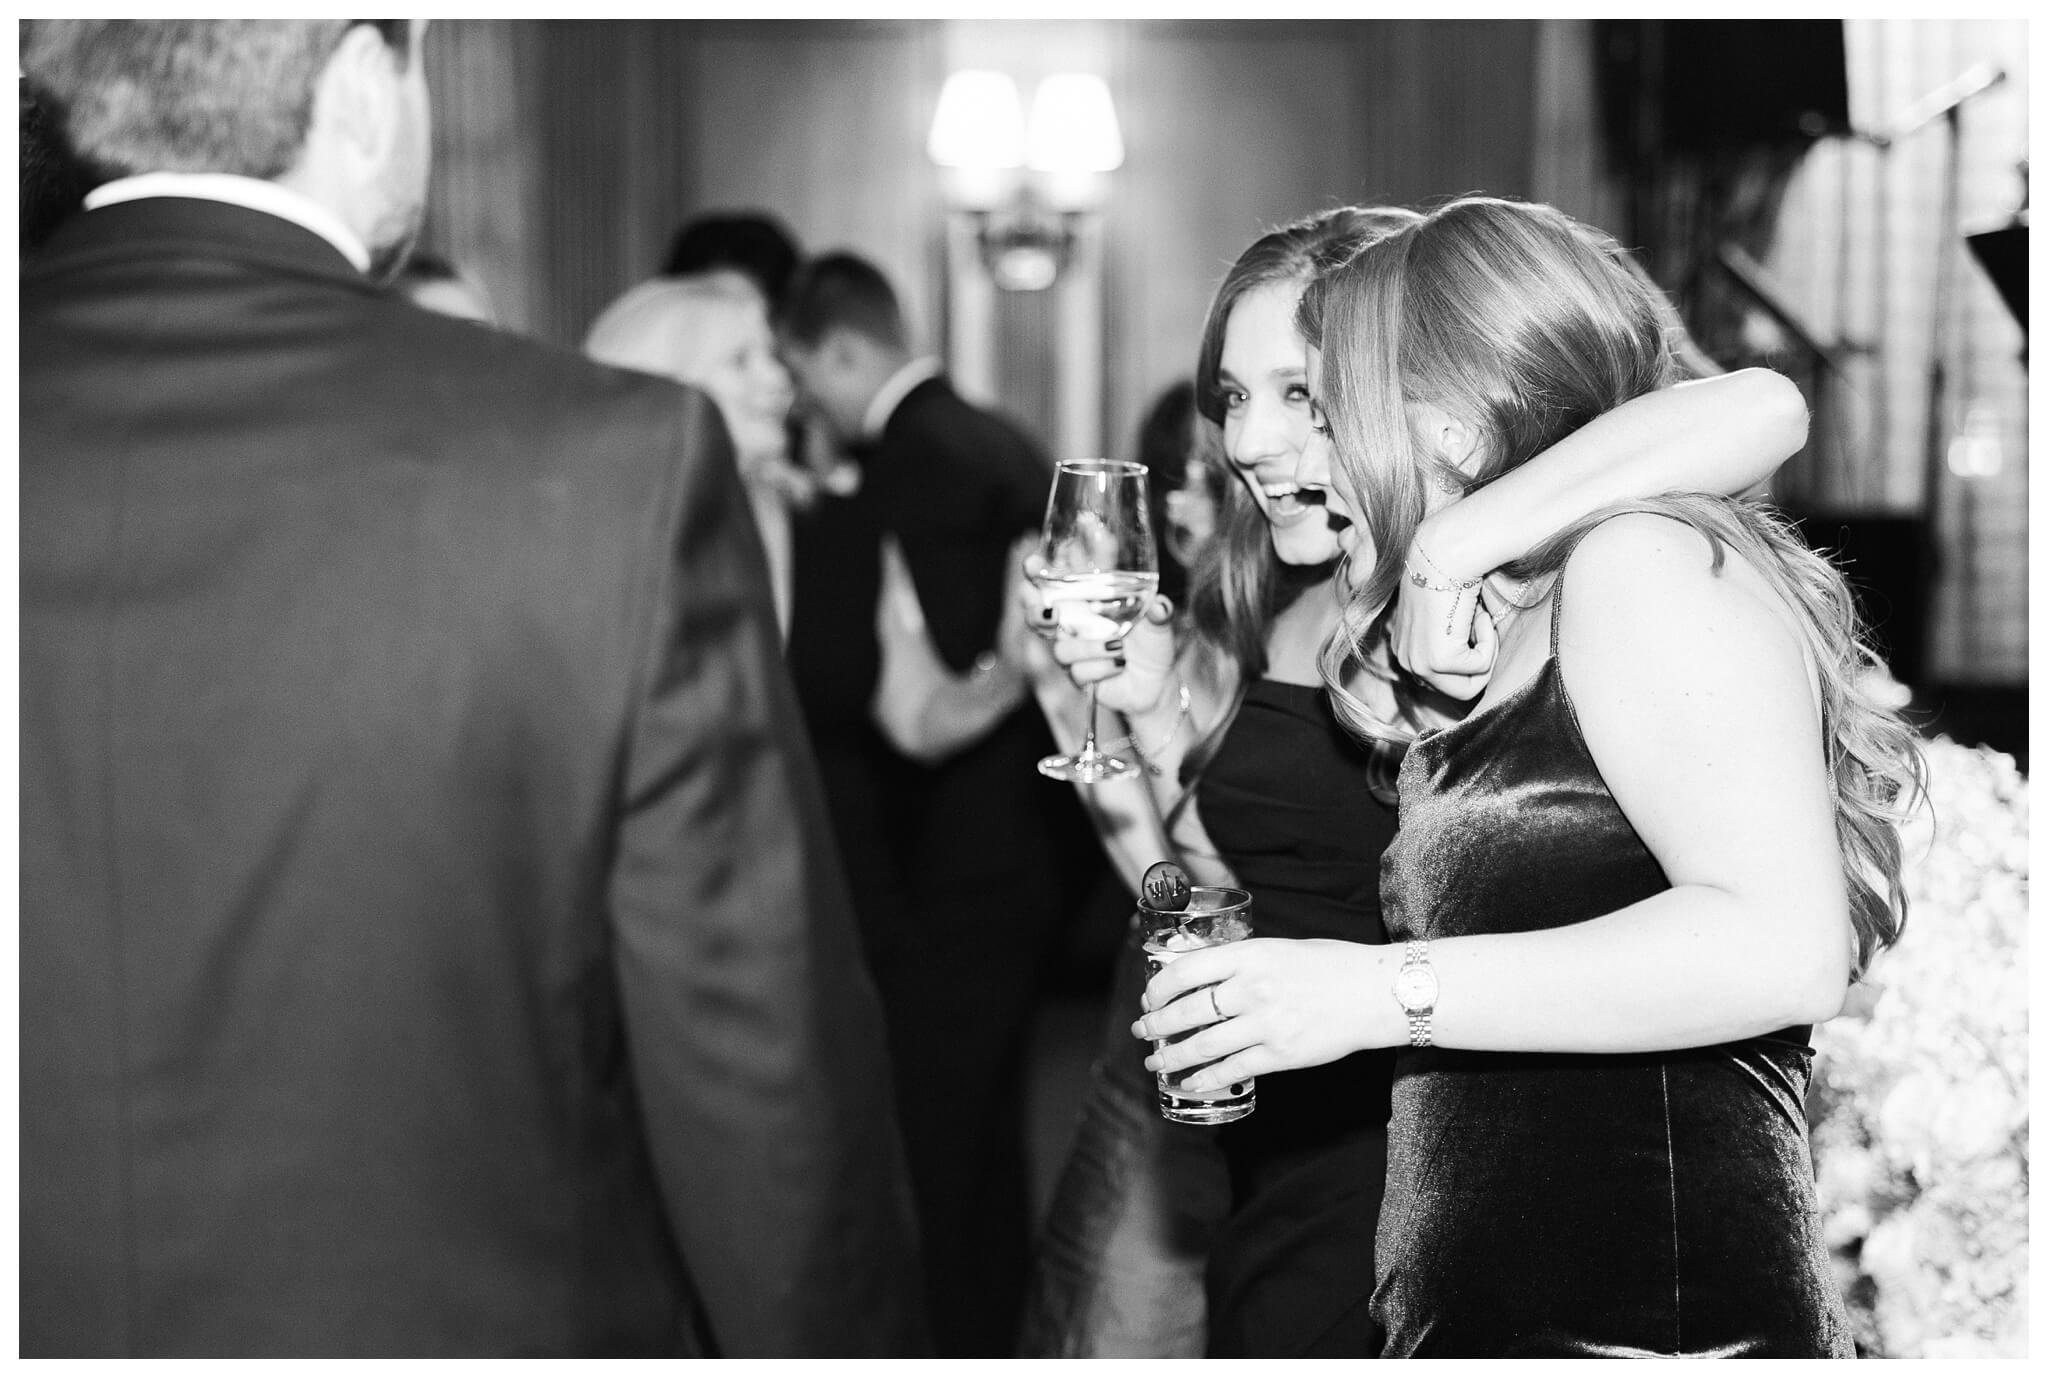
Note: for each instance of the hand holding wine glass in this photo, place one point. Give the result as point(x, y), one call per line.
point(1100, 569)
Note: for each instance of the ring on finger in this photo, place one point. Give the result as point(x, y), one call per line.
point(1214, 1006)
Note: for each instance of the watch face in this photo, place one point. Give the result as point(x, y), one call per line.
point(1415, 988)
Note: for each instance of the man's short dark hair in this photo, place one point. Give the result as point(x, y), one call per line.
point(752, 242)
point(187, 95)
point(841, 291)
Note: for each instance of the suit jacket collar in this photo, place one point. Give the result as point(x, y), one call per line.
point(253, 192)
point(185, 227)
point(866, 452)
point(930, 388)
point(890, 396)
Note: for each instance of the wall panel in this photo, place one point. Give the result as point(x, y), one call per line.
point(570, 149)
point(825, 124)
point(1229, 129)
point(483, 200)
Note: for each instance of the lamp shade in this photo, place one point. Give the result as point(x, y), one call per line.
point(979, 124)
point(1073, 126)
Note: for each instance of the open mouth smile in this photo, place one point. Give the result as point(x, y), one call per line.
point(1288, 503)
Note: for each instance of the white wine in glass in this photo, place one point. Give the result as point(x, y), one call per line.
point(1101, 569)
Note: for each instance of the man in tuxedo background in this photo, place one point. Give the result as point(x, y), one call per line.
point(430, 939)
point(989, 855)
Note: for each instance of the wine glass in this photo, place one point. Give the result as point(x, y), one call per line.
point(1101, 569)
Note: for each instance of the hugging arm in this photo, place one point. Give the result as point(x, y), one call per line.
point(1725, 434)
point(926, 710)
point(1695, 699)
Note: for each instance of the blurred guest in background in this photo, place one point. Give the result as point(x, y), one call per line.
point(430, 281)
point(429, 940)
point(752, 242)
point(977, 836)
point(712, 332)
point(759, 247)
point(1186, 485)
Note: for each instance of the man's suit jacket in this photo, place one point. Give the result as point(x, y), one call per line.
point(430, 938)
point(957, 484)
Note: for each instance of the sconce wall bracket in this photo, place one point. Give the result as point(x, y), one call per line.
point(1025, 188)
point(1026, 245)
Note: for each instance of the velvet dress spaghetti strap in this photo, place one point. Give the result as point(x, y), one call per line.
point(1648, 1204)
point(1289, 802)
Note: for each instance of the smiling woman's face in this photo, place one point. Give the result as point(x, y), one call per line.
point(1263, 377)
point(735, 362)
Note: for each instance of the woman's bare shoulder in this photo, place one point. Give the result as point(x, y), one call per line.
point(1632, 544)
point(1645, 590)
point(1642, 562)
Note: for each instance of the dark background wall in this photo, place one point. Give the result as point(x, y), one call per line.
point(568, 150)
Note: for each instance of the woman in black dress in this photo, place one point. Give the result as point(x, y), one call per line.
point(1263, 789)
point(1624, 887)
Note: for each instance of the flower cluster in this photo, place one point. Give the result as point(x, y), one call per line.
point(1919, 1109)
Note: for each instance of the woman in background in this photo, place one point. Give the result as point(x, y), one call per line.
point(1226, 707)
point(1624, 887)
point(712, 331)
point(1186, 483)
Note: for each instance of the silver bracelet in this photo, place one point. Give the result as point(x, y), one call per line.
point(1461, 587)
point(1451, 584)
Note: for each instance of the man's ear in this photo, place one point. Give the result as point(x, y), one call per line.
point(358, 103)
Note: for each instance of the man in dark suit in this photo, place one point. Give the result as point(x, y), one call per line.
point(983, 845)
point(430, 941)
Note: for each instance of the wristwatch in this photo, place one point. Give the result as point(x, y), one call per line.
point(1415, 988)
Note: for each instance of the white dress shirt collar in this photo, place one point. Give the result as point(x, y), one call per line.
point(256, 195)
point(890, 395)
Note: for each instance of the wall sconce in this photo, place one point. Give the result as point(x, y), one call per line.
point(1025, 185)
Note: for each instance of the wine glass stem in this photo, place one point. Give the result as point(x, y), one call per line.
point(1088, 740)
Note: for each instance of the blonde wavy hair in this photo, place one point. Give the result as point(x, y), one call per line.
point(1527, 324)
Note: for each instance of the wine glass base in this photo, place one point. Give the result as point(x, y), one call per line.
point(1083, 769)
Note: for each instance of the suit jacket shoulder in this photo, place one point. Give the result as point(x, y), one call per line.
point(946, 463)
point(404, 723)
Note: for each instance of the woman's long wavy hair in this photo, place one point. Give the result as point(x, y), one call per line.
point(1526, 324)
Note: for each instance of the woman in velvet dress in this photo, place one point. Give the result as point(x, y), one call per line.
point(1263, 789)
point(1624, 887)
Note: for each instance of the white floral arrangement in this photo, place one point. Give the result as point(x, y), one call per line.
point(1919, 1106)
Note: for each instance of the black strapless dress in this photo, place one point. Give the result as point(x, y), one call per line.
point(1288, 803)
point(1580, 1205)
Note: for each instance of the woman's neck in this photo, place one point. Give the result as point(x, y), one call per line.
point(1294, 642)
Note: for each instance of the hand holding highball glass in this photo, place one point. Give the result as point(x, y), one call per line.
point(1176, 918)
point(1101, 569)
